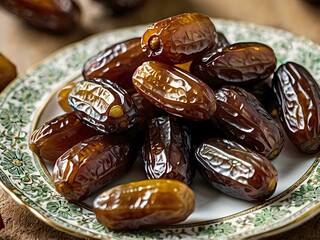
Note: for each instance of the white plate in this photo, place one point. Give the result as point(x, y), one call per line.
point(30, 101)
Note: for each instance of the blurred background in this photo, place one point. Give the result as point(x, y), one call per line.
point(25, 45)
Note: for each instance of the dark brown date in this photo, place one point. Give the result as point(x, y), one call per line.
point(144, 204)
point(180, 38)
point(166, 152)
point(103, 105)
point(265, 95)
point(116, 63)
point(236, 170)
point(174, 90)
point(8, 71)
point(241, 117)
point(236, 64)
point(58, 135)
point(89, 165)
point(298, 100)
point(52, 15)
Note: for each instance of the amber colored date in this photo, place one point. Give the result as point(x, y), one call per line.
point(236, 170)
point(63, 96)
point(103, 105)
point(56, 136)
point(180, 38)
point(174, 90)
point(52, 15)
point(8, 71)
point(298, 100)
point(144, 204)
point(241, 117)
point(237, 64)
point(116, 63)
point(91, 164)
point(166, 152)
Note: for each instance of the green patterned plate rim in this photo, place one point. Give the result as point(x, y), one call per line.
point(24, 179)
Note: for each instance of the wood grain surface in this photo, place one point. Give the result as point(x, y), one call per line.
point(25, 46)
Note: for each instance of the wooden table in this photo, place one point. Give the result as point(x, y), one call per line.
point(25, 46)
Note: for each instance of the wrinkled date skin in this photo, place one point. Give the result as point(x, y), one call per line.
point(89, 165)
point(58, 135)
point(103, 105)
point(180, 38)
point(8, 71)
point(166, 152)
point(51, 15)
point(116, 63)
point(174, 90)
point(236, 64)
point(240, 116)
point(236, 170)
point(298, 100)
point(144, 204)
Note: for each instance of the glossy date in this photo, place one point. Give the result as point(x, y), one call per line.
point(236, 64)
point(58, 135)
point(241, 117)
point(103, 105)
point(90, 164)
point(166, 152)
point(298, 101)
point(174, 90)
point(116, 63)
point(236, 170)
point(180, 38)
point(144, 204)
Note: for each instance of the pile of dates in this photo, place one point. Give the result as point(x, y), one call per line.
point(183, 99)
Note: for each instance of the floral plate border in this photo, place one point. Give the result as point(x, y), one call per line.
point(23, 177)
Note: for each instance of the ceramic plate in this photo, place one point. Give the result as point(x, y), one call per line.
point(30, 101)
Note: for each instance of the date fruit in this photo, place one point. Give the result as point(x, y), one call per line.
point(166, 152)
point(298, 101)
point(180, 38)
point(52, 15)
point(144, 204)
point(241, 117)
point(103, 105)
point(236, 170)
point(8, 71)
point(58, 135)
point(237, 64)
point(91, 164)
point(116, 63)
point(63, 96)
point(174, 90)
